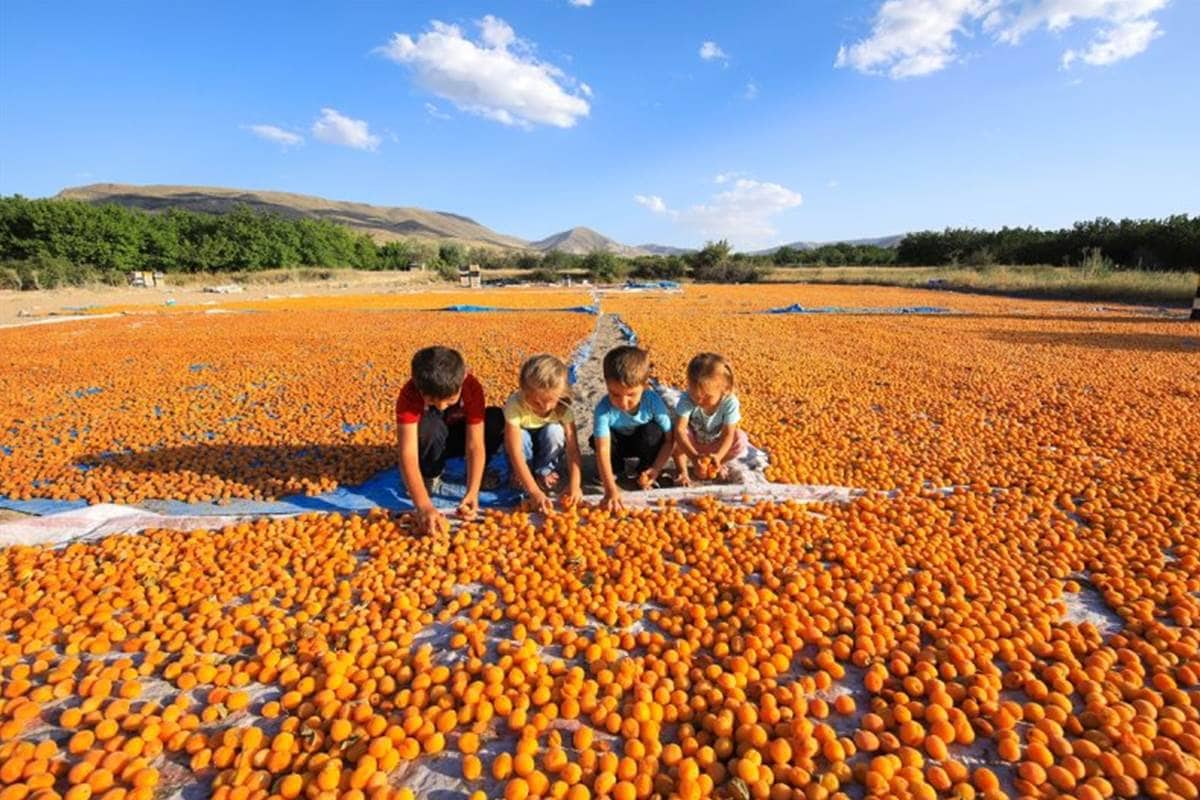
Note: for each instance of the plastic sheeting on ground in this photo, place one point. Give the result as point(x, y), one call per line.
point(626, 332)
point(796, 308)
point(385, 490)
point(670, 286)
point(106, 519)
point(41, 506)
point(94, 522)
point(734, 493)
point(467, 308)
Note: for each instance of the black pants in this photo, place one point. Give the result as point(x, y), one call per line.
point(642, 443)
point(437, 441)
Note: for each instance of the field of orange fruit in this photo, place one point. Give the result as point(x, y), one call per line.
point(213, 406)
point(423, 300)
point(1044, 395)
point(921, 642)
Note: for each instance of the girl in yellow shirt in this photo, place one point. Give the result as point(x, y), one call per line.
point(540, 435)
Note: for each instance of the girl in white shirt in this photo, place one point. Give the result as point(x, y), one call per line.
point(707, 417)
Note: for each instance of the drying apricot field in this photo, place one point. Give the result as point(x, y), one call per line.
point(1007, 607)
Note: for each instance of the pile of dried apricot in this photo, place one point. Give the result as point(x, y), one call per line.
point(917, 645)
point(216, 406)
point(1010, 609)
point(1044, 395)
point(424, 299)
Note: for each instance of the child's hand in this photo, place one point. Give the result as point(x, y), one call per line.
point(540, 501)
point(430, 521)
point(612, 502)
point(684, 478)
point(468, 509)
point(647, 478)
point(572, 497)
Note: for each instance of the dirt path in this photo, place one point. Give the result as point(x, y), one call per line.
point(589, 388)
point(589, 385)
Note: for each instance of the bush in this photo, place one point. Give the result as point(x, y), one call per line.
point(445, 270)
point(1095, 262)
point(730, 272)
point(983, 257)
point(670, 268)
point(604, 266)
point(9, 279)
point(544, 275)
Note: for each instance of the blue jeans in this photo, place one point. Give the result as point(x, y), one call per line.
point(545, 449)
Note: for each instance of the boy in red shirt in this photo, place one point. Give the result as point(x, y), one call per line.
point(440, 414)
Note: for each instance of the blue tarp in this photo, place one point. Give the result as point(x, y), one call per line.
point(626, 331)
point(384, 491)
point(471, 309)
point(670, 286)
point(796, 308)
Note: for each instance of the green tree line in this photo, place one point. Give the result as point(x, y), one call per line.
point(1172, 243)
point(47, 242)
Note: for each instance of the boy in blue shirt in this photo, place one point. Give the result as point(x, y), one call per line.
point(631, 421)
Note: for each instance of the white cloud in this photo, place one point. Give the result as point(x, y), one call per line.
point(743, 213)
point(435, 112)
point(654, 203)
point(910, 38)
point(496, 77)
point(581, 3)
point(751, 91)
point(335, 128)
point(711, 51)
point(273, 133)
point(1125, 40)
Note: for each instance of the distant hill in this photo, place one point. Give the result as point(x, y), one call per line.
point(665, 250)
point(879, 241)
point(581, 241)
point(381, 223)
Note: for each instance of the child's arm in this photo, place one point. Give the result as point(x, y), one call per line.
point(683, 442)
point(429, 519)
point(612, 492)
point(662, 418)
point(648, 477)
point(574, 465)
point(516, 458)
point(728, 437)
point(476, 455)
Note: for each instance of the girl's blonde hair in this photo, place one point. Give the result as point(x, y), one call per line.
point(706, 366)
point(543, 372)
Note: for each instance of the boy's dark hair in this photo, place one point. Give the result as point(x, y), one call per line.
point(627, 365)
point(438, 371)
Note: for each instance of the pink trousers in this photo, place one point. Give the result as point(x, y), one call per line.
point(740, 443)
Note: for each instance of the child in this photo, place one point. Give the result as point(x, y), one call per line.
point(707, 416)
point(539, 433)
point(440, 414)
point(630, 422)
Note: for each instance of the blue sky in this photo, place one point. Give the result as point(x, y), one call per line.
point(821, 120)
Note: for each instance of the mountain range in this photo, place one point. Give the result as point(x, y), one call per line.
point(381, 223)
